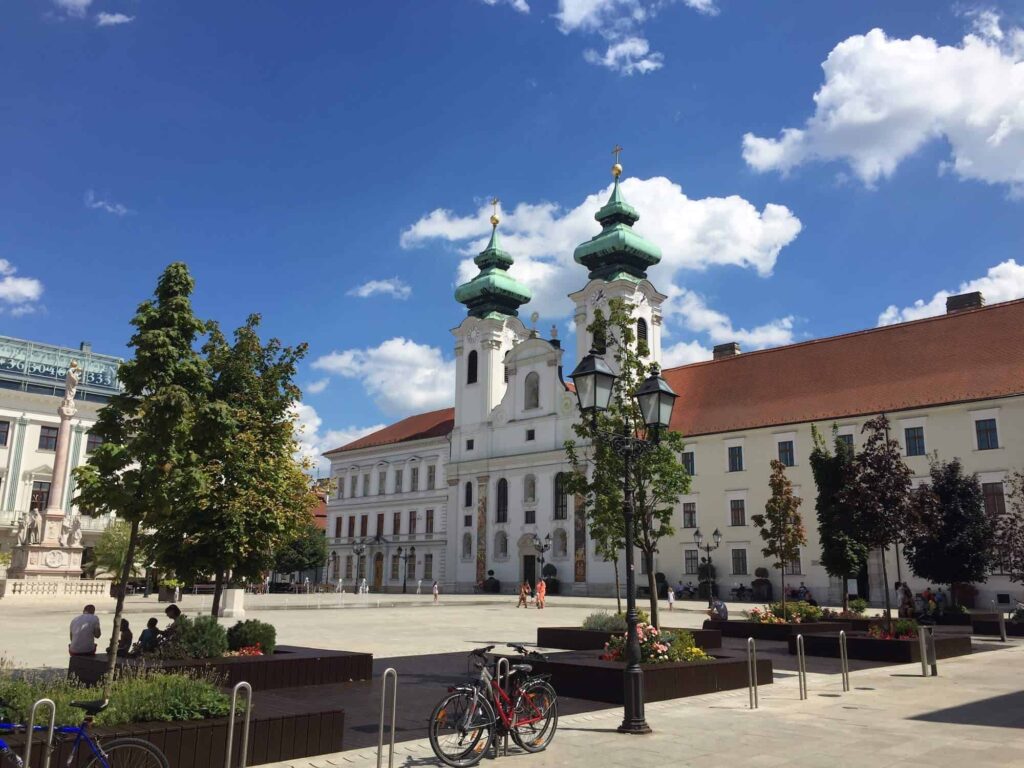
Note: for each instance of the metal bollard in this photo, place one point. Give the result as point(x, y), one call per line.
point(242, 686)
point(388, 673)
point(922, 647)
point(844, 660)
point(30, 731)
point(1002, 621)
point(503, 663)
point(932, 652)
point(801, 666)
point(752, 671)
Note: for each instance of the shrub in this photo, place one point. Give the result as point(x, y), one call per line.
point(1018, 614)
point(252, 632)
point(549, 571)
point(603, 621)
point(902, 629)
point(761, 572)
point(198, 638)
point(858, 606)
point(656, 647)
point(798, 612)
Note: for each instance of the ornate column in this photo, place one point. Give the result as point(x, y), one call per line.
point(481, 527)
point(14, 469)
point(76, 453)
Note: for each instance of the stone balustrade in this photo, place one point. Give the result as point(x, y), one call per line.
point(54, 588)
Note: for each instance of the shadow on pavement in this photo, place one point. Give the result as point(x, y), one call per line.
point(998, 712)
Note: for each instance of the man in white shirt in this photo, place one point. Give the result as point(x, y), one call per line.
point(84, 631)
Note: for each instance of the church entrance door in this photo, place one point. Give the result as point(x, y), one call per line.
point(378, 570)
point(530, 569)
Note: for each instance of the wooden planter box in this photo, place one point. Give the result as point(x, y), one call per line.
point(780, 632)
point(576, 639)
point(288, 667)
point(582, 675)
point(202, 743)
point(991, 627)
point(860, 646)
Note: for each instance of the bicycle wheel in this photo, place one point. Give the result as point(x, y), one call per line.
point(129, 753)
point(461, 737)
point(536, 716)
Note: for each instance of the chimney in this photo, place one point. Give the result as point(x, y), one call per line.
point(723, 351)
point(960, 302)
point(85, 346)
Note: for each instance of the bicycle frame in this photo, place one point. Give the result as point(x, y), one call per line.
point(80, 733)
point(501, 701)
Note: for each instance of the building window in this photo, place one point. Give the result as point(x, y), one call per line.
point(995, 501)
point(848, 441)
point(380, 524)
point(468, 495)
point(352, 527)
point(336, 568)
point(561, 498)
point(361, 567)
point(688, 463)
point(396, 523)
point(394, 567)
point(414, 479)
point(532, 388)
point(431, 477)
point(736, 458)
point(469, 445)
point(737, 512)
point(430, 521)
point(501, 545)
point(467, 546)
point(467, 520)
point(794, 567)
point(471, 368)
point(529, 489)
point(914, 438)
point(48, 438)
point(399, 481)
point(501, 507)
point(689, 514)
point(739, 562)
point(364, 525)
point(689, 562)
point(530, 434)
point(40, 496)
point(92, 442)
point(641, 331)
point(382, 482)
point(412, 521)
point(988, 435)
point(352, 490)
point(337, 527)
point(560, 543)
point(428, 567)
point(348, 566)
point(786, 453)
point(366, 484)
point(410, 567)
point(530, 517)
point(5, 431)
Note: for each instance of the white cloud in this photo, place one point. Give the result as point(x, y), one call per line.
point(76, 8)
point(18, 295)
point(684, 352)
point(112, 19)
point(104, 205)
point(692, 311)
point(394, 286)
point(885, 98)
point(318, 386)
point(520, 5)
point(401, 376)
point(312, 442)
point(1002, 282)
point(628, 56)
point(692, 233)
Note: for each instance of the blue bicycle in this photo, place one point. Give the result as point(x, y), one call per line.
point(117, 753)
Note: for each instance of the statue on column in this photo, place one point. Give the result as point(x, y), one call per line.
point(34, 527)
point(71, 385)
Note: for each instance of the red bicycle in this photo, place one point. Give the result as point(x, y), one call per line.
point(464, 725)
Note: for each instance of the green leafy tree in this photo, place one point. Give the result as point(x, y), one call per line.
point(307, 550)
point(843, 552)
point(781, 526)
point(147, 469)
point(1008, 526)
point(880, 491)
point(950, 540)
point(658, 478)
point(112, 548)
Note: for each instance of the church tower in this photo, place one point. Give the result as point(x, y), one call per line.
point(493, 299)
point(618, 259)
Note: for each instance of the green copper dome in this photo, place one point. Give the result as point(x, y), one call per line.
point(493, 291)
point(617, 251)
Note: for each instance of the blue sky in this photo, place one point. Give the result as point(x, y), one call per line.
point(328, 164)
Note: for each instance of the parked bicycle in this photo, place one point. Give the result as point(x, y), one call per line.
point(465, 724)
point(124, 752)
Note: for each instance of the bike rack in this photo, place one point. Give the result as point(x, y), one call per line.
point(503, 663)
point(389, 673)
point(30, 732)
point(844, 660)
point(242, 686)
point(1002, 621)
point(752, 671)
point(801, 666)
point(926, 644)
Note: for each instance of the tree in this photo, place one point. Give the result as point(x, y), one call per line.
point(781, 525)
point(112, 548)
point(307, 550)
point(262, 496)
point(880, 491)
point(147, 469)
point(950, 540)
point(658, 478)
point(843, 553)
point(1008, 526)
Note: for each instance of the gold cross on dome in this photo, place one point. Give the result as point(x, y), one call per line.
point(615, 151)
point(494, 203)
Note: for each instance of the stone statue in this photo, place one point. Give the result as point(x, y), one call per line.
point(65, 530)
point(71, 384)
point(76, 531)
point(21, 531)
point(33, 527)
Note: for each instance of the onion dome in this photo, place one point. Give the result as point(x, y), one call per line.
point(493, 291)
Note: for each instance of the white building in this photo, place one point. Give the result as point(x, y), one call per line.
point(952, 384)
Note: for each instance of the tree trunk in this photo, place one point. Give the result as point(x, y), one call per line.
point(885, 589)
point(652, 585)
point(618, 587)
point(782, 575)
point(218, 589)
point(846, 594)
point(115, 635)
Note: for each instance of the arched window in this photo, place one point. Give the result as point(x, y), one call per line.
point(561, 543)
point(471, 368)
point(502, 503)
point(532, 390)
point(561, 499)
point(529, 489)
point(641, 330)
point(469, 493)
point(467, 546)
point(501, 545)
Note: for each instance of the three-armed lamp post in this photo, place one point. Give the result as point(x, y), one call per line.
point(542, 547)
point(405, 564)
point(698, 539)
point(595, 383)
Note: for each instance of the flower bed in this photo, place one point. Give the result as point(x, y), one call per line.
point(864, 647)
point(656, 646)
point(576, 639)
point(288, 667)
point(781, 632)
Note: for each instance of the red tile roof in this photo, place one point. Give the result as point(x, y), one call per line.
point(970, 355)
point(418, 427)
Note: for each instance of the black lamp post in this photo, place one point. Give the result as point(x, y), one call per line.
point(331, 563)
point(541, 547)
point(698, 539)
point(405, 564)
point(595, 383)
point(359, 549)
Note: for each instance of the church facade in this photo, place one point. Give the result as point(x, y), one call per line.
point(489, 471)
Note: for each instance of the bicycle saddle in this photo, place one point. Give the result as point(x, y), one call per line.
point(91, 707)
point(522, 668)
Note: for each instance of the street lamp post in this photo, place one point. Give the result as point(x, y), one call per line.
point(332, 561)
point(359, 549)
point(542, 547)
point(595, 383)
point(405, 564)
point(698, 539)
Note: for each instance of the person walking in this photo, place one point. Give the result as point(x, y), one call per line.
point(542, 592)
point(84, 631)
point(435, 591)
point(671, 598)
point(524, 595)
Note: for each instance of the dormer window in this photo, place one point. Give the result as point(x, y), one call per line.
point(471, 368)
point(532, 388)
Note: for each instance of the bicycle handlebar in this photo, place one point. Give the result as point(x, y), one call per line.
point(524, 651)
point(481, 651)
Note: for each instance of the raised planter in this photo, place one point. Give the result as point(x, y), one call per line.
point(288, 667)
point(860, 646)
point(202, 743)
point(780, 632)
point(991, 627)
point(576, 639)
